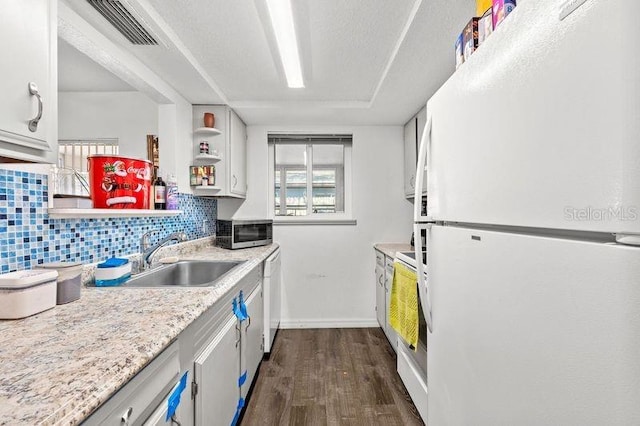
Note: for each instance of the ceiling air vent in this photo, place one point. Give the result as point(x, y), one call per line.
point(118, 15)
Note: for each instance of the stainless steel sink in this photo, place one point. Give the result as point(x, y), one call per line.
point(185, 273)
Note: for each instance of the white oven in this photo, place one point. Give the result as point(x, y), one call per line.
point(412, 362)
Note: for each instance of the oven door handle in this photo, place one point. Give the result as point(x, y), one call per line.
point(420, 271)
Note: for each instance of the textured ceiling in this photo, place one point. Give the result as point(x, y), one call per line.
point(167, 59)
point(344, 45)
point(78, 73)
point(364, 61)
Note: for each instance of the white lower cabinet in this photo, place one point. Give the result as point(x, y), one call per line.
point(210, 355)
point(252, 348)
point(216, 372)
point(384, 280)
point(381, 305)
point(388, 282)
point(224, 370)
point(145, 394)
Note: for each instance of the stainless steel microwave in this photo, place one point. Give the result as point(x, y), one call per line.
point(236, 234)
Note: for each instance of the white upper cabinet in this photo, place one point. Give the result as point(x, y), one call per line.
point(238, 150)
point(227, 148)
point(412, 134)
point(410, 157)
point(421, 122)
point(28, 106)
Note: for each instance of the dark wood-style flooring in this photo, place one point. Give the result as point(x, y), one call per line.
point(330, 377)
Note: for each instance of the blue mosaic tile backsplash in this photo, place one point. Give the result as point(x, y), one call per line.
point(29, 237)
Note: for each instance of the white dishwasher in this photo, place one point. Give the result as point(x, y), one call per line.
point(272, 287)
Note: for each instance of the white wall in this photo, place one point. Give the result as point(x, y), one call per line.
point(177, 133)
point(329, 269)
point(130, 117)
point(127, 116)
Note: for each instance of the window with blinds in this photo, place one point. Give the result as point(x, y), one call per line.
point(72, 154)
point(72, 161)
point(309, 174)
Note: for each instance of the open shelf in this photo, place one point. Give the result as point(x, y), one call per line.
point(207, 157)
point(109, 213)
point(212, 131)
point(207, 188)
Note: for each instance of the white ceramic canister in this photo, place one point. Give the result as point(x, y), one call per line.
point(69, 280)
point(26, 293)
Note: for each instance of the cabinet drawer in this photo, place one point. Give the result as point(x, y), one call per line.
point(389, 264)
point(379, 259)
point(136, 400)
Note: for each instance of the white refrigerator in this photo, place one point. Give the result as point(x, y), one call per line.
point(532, 158)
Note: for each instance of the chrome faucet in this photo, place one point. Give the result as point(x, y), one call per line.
point(147, 250)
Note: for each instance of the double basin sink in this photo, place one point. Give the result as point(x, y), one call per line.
point(184, 273)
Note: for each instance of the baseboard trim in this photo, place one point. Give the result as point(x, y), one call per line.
point(333, 323)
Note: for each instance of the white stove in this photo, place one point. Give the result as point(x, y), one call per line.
point(409, 257)
point(412, 362)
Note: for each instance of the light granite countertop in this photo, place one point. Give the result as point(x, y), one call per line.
point(59, 366)
point(390, 249)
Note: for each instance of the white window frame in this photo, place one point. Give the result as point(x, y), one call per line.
point(90, 145)
point(78, 149)
point(338, 218)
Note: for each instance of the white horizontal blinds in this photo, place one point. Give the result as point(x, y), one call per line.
point(73, 153)
point(310, 139)
point(72, 156)
point(291, 185)
point(328, 178)
point(309, 173)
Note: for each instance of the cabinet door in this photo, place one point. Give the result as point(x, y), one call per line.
point(216, 372)
point(388, 282)
point(410, 157)
point(25, 28)
point(238, 141)
point(421, 122)
point(252, 340)
point(381, 303)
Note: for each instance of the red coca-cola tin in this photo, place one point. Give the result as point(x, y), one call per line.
point(119, 182)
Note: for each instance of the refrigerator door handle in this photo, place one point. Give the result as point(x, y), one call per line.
point(628, 239)
point(420, 271)
point(423, 154)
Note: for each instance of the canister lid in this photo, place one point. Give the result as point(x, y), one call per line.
point(26, 279)
point(66, 270)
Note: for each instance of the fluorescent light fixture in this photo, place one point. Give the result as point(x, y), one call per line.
point(282, 22)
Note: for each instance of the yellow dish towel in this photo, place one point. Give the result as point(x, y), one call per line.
point(403, 312)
